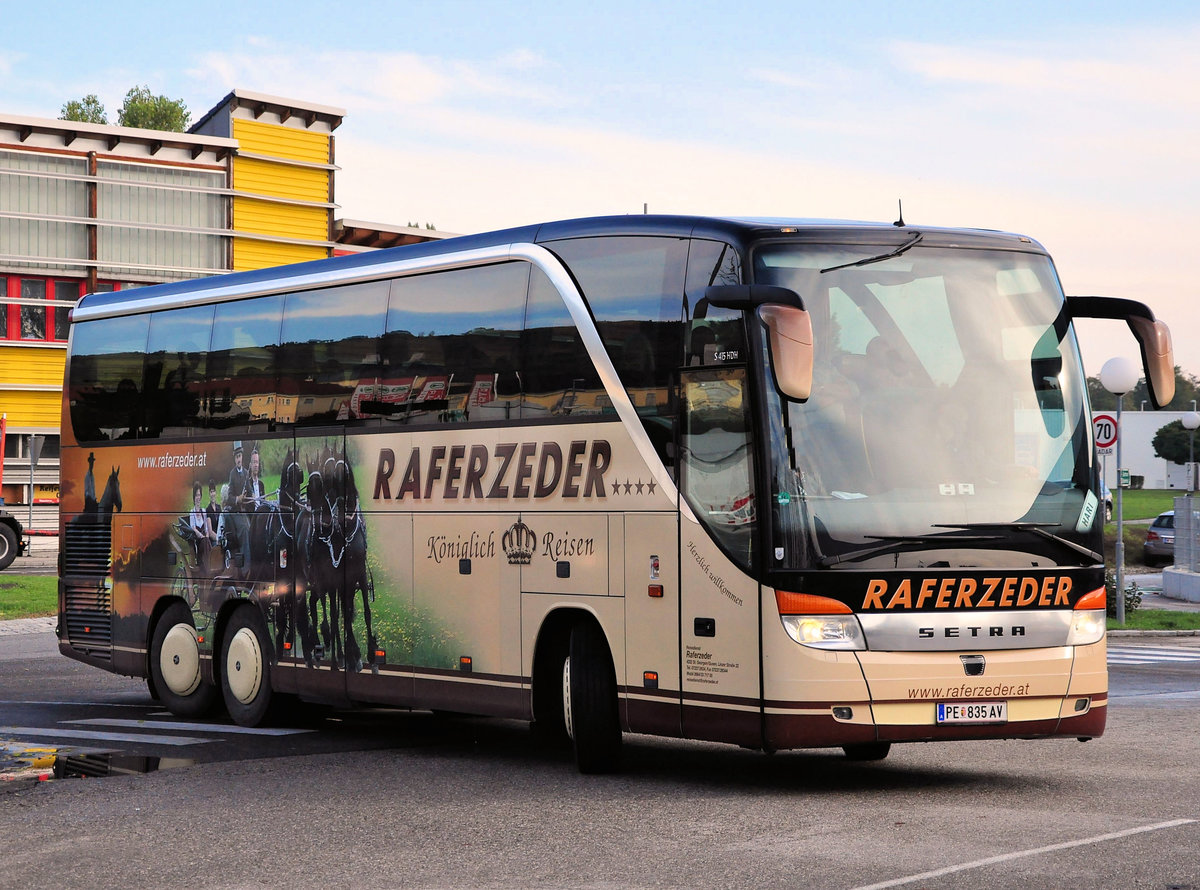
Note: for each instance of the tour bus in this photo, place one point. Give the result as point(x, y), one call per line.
point(780, 484)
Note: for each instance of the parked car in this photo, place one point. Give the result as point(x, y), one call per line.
point(1159, 548)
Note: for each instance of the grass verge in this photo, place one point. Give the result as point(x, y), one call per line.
point(28, 596)
point(1157, 619)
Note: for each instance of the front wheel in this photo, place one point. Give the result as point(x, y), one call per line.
point(590, 701)
point(175, 678)
point(246, 667)
point(8, 546)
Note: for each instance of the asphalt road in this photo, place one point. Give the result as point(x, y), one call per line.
point(391, 799)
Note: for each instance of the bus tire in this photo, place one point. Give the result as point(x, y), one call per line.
point(867, 751)
point(175, 677)
point(590, 701)
point(8, 546)
point(549, 725)
point(246, 667)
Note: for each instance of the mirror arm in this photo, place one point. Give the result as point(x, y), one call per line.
point(750, 296)
point(1152, 335)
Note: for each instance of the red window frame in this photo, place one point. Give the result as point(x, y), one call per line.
point(12, 328)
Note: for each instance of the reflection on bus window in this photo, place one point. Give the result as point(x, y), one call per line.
point(451, 348)
point(716, 466)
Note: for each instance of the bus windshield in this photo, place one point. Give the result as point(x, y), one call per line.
point(948, 410)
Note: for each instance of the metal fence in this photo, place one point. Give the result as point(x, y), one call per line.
point(1187, 533)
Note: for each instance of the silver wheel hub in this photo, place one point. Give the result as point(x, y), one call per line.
point(566, 697)
point(179, 660)
point(244, 666)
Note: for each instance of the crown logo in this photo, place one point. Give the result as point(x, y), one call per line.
point(519, 544)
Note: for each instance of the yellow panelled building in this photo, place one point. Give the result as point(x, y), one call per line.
point(282, 177)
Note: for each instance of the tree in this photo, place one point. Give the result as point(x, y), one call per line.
point(1187, 389)
point(1171, 442)
point(88, 110)
point(146, 111)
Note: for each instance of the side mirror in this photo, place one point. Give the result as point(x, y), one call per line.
point(789, 330)
point(790, 338)
point(1153, 337)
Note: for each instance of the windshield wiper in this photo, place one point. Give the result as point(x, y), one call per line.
point(911, 242)
point(1036, 528)
point(898, 542)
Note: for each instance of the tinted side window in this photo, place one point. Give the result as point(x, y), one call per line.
point(451, 349)
point(635, 287)
point(240, 391)
point(329, 353)
point(105, 388)
point(715, 336)
point(560, 379)
point(176, 369)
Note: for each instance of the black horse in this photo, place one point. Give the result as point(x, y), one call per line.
point(331, 544)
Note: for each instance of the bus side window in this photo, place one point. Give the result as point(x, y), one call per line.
point(241, 385)
point(558, 375)
point(329, 353)
point(451, 346)
point(106, 377)
point(176, 370)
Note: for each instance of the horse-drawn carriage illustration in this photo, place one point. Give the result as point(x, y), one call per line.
point(300, 551)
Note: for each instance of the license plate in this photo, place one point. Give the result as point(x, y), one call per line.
point(972, 712)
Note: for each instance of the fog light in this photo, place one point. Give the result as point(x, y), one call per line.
point(1082, 704)
point(843, 713)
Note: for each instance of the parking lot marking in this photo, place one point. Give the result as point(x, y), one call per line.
point(1150, 654)
point(50, 733)
point(220, 728)
point(1020, 854)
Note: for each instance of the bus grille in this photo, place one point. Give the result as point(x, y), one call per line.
point(87, 591)
point(87, 550)
point(88, 615)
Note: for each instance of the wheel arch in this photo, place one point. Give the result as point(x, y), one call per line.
point(551, 647)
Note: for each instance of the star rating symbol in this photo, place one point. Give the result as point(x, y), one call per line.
point(629, 486)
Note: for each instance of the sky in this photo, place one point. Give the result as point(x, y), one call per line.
point(1076, 123)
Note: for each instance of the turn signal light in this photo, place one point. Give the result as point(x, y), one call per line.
point(1097, 599)
point(808, 604)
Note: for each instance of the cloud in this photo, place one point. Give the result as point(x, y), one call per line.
point(377, 82)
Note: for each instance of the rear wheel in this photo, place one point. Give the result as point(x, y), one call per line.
point(8, 546)
point(246, 667)
point(175, 665)
point(867, 751)
point(590, 701)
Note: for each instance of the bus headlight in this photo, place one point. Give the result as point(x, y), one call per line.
point(825, 631)
point(1087, 627)
point(1089, 618)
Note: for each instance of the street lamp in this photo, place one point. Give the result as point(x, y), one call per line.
point(1119, 375)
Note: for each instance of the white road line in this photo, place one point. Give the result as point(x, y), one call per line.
point(1151, 655)
point(1020, 854)
point(219, 728)
point(43, 732)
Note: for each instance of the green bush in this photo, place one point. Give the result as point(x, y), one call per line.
point(1133, 594)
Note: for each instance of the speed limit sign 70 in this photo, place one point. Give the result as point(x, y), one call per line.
point(1105, 428)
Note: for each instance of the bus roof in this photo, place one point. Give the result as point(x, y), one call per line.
point(739, 231)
